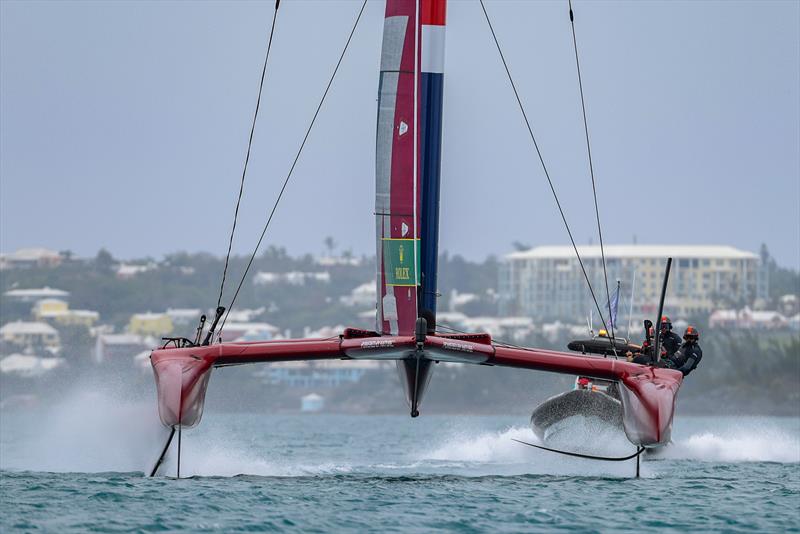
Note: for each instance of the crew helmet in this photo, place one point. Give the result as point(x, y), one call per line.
point(691, 333)
point(666, 324)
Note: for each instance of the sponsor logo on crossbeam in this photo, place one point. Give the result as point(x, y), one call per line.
point(457, 346)
point(377, 343)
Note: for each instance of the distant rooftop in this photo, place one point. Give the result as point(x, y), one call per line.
point(25, 327)
point(31, 254)
point(41, 293)
point(635, 251)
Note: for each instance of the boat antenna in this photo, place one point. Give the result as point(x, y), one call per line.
point(294, 163)
point(591, 169)
point(541, 160)
point(247, 155)
point(657, 342)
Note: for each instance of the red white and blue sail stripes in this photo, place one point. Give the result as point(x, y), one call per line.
point(432, 19)
point(408, 161)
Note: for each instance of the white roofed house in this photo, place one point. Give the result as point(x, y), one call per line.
point(294, 278)
point(361, 296)
point(126, 271)
point(35, 334)
point(184, 316)
point(320, 374)
point(30, 257)
point(547, 281)
point(514, 328)
point(244, 315)
point(34, 295)
point(233, 331)
point(58, 311)
point(748, 319)
point(121, 348)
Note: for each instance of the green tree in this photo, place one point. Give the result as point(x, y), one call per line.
point(104, 261)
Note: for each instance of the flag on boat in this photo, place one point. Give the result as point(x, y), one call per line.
point(613, 306)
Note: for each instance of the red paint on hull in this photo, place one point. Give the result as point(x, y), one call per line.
point(648, 395)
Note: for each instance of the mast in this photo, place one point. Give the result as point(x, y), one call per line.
point(432, 24)
point(407, 166)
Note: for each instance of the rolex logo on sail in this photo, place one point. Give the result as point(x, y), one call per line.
point(398, 260)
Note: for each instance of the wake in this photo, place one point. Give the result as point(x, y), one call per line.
point(741, 445)
point(105, 432)
point(757, 440)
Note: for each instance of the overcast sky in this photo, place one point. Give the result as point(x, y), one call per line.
point(124, 125)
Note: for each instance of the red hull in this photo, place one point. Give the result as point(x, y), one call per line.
point(648, 394)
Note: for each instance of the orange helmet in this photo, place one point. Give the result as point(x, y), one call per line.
point(666, 324)
point(691, 333)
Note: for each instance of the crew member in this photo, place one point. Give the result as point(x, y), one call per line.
point(670, 341)
point(643, 357)
point(690, 353)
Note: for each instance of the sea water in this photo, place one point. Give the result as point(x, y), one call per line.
point(80, 467)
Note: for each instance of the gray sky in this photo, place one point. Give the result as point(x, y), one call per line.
point(124, 125)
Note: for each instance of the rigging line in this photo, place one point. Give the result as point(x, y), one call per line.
point(591, 167)
point(247, 156)
point(541, 160)
point(294, 163)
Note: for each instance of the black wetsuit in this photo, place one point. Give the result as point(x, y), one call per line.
point(645, 356)
point(671, 343)
point(687, 358)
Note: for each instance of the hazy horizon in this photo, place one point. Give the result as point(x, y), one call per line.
point(124, 125)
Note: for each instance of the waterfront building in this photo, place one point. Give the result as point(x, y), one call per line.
point(292, 278)
point(33, 295)
point(128, 271)
point(547, 282)
point(30, 257)
point(320, 374)
point(121, 348)
point(26, 333)
point(184, 316)
point(748, 319)
point(362, 296)
point(234, 331)
point(58, 310)
point(150, 324)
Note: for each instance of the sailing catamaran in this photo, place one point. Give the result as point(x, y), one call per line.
point(407, 185)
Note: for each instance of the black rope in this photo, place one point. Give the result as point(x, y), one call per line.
point(587, 456)
point(591, 169)
point(541, 160)
point(247, 156)
point(294, 163)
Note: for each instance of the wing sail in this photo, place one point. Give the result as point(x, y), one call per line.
point(396, 172)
